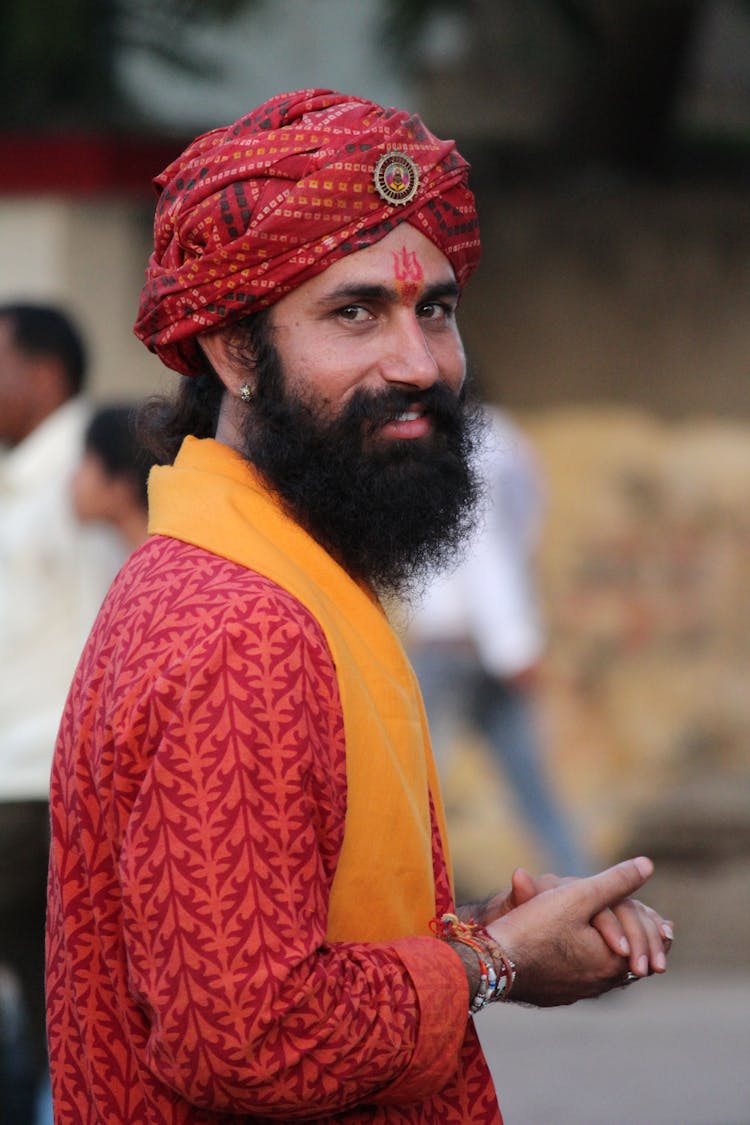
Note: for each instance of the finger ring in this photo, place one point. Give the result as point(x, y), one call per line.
point(629, 978)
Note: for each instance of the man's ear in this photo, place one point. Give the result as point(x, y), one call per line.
point(218, 350)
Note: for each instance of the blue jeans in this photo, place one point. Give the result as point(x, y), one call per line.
point(457, 692)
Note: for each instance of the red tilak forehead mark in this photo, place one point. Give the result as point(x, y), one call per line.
point(406, 265)
point(407, 273)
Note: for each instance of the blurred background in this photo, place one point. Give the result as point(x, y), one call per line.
point(610, 145)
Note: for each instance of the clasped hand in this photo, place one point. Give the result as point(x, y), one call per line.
point(573, 939)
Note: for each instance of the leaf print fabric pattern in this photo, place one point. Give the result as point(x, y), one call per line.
point(199, 795)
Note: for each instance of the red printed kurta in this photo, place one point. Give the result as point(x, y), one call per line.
point(199, 795)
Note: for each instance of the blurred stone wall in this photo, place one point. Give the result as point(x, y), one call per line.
point(645, 580)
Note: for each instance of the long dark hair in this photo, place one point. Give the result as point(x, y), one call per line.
point(164, 422)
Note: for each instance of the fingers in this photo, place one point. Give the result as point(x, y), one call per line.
point(644, 930)
point(610, 928)
point(629, 928)
point(666, 928)
point(635, 931)
point(613, 885)
point(523, 886)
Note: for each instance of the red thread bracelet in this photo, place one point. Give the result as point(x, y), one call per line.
point(497, 971)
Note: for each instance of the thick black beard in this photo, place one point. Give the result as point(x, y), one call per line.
point(390, 512)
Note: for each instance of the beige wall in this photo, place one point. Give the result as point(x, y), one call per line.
point(89, 256)
point(619, 294)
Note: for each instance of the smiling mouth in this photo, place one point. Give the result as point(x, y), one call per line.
point(414, 422)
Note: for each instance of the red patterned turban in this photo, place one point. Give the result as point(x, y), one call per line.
point(250, 211)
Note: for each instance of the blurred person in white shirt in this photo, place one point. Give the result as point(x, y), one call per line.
point(476, 639)
point(53, 576)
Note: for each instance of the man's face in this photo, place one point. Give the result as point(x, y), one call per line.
point(379, 319)
point(358, 419)
point(16, 388)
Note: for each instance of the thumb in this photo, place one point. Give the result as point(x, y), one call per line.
point(616, 883)
point(523, 886)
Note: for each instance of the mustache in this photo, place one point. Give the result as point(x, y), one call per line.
point(375, 408)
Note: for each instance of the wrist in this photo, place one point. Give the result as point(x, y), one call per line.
point(470, 962)
point(489, 972)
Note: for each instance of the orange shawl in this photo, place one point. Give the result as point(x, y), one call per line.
point(384, 884)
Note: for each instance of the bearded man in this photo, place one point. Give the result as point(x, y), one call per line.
point(250, 913)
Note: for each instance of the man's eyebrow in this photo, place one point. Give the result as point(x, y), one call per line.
point(440, 290)
point(353, 292)
point(350, 292)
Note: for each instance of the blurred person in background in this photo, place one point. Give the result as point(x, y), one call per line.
point(110, 484)
point(20, 1094)
point(53, 576)
point(476, 640)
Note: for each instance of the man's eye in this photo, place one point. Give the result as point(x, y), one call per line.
point(436, 310)
point(353, 313)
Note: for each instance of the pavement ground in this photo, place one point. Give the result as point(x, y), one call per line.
point(673, 1050)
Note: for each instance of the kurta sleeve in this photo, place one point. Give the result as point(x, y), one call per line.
point(226, 864)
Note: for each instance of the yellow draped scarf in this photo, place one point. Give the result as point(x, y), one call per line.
point(384, 884)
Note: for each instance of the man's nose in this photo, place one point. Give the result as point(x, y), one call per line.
point(409, 360)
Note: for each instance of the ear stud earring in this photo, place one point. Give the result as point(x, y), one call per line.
point(246, 392)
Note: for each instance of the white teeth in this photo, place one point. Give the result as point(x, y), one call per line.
point(408, 416)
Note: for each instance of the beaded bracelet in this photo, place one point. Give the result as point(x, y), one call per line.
point(496, 971)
